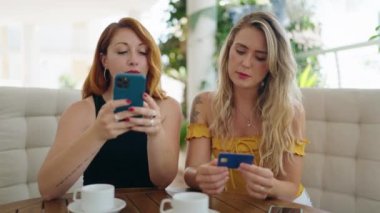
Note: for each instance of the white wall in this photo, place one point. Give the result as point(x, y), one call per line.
point(39, 42)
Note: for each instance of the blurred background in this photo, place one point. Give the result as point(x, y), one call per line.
point(50, 43)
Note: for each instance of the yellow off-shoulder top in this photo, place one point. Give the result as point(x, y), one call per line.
point(245, 145)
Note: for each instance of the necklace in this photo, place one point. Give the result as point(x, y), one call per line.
point(249, 118)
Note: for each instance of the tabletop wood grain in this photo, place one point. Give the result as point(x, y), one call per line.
point(148, 200)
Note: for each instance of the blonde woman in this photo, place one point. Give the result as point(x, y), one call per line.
point(256, 109)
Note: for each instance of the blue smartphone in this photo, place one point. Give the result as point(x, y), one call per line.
point(233, 160)
point(129, 86)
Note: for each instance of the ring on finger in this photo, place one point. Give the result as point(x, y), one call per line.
point(153, 114)
point(116, 117)
point(151, 122)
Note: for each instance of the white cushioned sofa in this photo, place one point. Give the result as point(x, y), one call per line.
point(342, 162)
point(28, 123)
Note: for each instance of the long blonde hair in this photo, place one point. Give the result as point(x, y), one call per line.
point(277, 98)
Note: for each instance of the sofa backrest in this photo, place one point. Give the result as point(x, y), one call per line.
point(28, 123)
point(342, 162)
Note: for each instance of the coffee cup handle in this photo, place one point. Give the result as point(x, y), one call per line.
point(162, 205)
point(75, 194)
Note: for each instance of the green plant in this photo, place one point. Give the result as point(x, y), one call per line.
point(304, 36)
point(183, 133)
point(307, 77)
point(377, 35)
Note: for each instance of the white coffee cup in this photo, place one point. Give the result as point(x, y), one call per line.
point(96, 197)
point(186, 202)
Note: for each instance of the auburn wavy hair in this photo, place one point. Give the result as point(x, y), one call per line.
point(278, 97)
point(96, 84)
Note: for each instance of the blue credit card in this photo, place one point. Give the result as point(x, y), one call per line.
point(233, 160)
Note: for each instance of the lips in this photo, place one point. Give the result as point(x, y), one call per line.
point(133, 71)
point(243, 75)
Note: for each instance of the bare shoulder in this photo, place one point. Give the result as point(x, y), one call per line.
point(204, 97)
point(201, 107)
point(169, 104)
point(80, 107)
point(299, 111)
point(170, 109)
point(80, 114)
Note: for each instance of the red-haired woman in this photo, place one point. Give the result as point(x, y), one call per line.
point(116, 148)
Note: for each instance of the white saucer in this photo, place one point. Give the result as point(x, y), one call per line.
point(209, 211)
point(118, 205)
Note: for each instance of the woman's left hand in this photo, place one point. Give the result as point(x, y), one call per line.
point(259, 180)
point(150, 122)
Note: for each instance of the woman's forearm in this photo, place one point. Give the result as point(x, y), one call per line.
point(163, 155)
point(284, 190)
point(60, 172)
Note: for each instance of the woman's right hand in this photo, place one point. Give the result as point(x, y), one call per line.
point(211, 179)
point(109, 124)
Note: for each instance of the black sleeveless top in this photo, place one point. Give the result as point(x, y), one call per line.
point(122, 161)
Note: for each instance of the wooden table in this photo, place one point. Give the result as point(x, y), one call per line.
point(148, 200)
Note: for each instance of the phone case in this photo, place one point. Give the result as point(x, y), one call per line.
point(129, 86)
point(233, 160)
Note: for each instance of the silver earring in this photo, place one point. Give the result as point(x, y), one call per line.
point(262, 84)
point(105, 74)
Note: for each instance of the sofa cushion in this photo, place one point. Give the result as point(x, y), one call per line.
point(28, 123)
point(341, 169)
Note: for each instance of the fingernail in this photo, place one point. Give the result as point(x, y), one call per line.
point(126, 119)
point(128, 101)
point(145, 95)
point(131, 109)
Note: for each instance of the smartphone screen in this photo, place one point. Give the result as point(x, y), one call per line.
point(129, 86)
point(279, 209)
